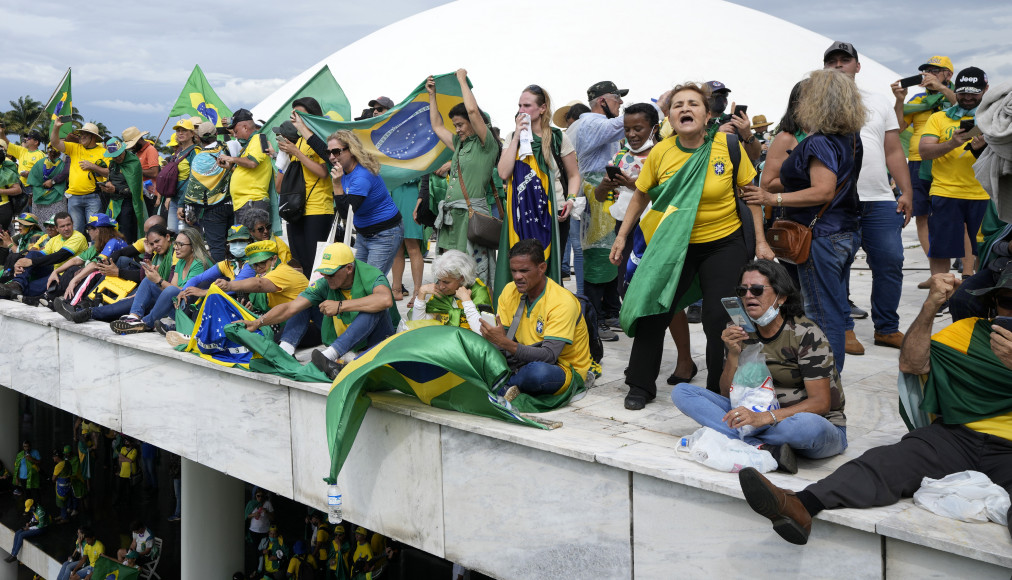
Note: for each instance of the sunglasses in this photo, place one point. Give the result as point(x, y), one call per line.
point(535, 89)
point(179, 244)
point(260, 229)
point(1003, 301)
point(756, 290)
point(337, 151)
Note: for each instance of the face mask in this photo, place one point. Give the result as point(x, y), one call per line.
point(718, 103)
point(646, 145)
point(768, 316)
point(607, 110)
point(238, 249)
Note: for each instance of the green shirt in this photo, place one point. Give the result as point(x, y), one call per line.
point(476, 161)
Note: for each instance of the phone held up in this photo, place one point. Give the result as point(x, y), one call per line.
point(911, 81)
point(736, 310)
point(1003, 321)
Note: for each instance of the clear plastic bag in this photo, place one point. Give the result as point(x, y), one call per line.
point(717, 451)
point(968, 496)
point(752, 385)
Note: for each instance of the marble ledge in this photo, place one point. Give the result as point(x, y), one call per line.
point(986, 542)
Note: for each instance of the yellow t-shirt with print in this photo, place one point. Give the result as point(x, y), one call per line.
point(26, 159)
point(952, 173)
point(957, 336)
point(93, 552)
point(319, 190)
point(251, 184)
point(553, 315)
point(76, 243)
point(717, 216)
point(290, 281)
point(81, 181)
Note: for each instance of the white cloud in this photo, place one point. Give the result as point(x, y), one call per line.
point(132, 107)
point(240, 92)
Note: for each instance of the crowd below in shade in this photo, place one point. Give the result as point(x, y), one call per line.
point(677, 211)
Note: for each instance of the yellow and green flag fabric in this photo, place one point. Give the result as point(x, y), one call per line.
point(109, 569)
point(324, 88)
point(199, 99)
point(402, 139)
point(443, 366)
point(666, 228)
point(62, 104)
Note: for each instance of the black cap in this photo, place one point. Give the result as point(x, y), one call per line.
point(844, 47)
point(605, 88)
point(35, 135)
point(287, 130)
point(971, 80)
point(1004, 282)
point(384, 102)
point(240, 116)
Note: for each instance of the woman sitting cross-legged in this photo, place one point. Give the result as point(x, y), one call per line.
point(155, 295)
point(454, 298)
point(810, 420)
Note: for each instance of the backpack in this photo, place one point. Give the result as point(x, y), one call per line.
point(168, 176)
point(292, 193)
point(744, 213)
point(208, 180)
point(594, 337)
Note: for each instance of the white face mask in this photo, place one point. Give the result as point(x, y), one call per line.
point(646, 145)
point(769, 316)
point(237, 249)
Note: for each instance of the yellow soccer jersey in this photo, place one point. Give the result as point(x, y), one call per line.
point(952, 174)
point(26, 159)
point(717, 216)
point(81, 181)
point(251, 184)
point(553, 315)
point(290, 281)
point(319, 190)
point(76, 243)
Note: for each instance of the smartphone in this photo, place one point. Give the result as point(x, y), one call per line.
point(967, 124)
point(1003, 321)
point(613, 172)
point(740, 110)
point(911, 81)
point(736, 310)
point(66, 118)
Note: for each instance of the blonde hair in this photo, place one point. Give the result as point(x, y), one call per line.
point(541, 97)
point(702, 89)
point(362, 157)
point(830, 103)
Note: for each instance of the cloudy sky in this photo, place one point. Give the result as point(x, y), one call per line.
point(130, 59)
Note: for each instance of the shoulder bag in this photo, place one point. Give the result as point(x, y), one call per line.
point(482, 229)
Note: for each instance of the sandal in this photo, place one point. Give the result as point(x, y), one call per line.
point(675, 379)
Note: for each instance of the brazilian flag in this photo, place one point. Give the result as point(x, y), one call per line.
point(109, 569)
point(325, 89)
point(443, 366)
point(61, 104)
point(402, 139)
point(199, 99)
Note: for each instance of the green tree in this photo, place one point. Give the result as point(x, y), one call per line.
point(102, 130)
point(23, 115)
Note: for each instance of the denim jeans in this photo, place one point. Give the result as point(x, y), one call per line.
point(110, 312)
point(66, 569)
point(881, 231)
point(148, 468)
point(153, 303)
point(538, 378)
point(577, 248)
point(173, 217)
point(33, 279)
point(21, 535)
point(808, 434)
point(81, 206)
point(373, 327)
point(380, 250)
point(294, 331)
point(177, 487)
point(824, 287)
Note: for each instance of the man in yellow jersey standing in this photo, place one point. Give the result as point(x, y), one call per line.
point(253, 172)
point(85, 157)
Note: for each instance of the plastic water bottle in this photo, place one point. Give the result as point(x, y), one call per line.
point(686, 443)
point(336, 515)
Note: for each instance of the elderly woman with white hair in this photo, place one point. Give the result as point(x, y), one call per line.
point(454, 299)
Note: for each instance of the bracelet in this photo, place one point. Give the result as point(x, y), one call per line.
point(780, 200)
point(340, 304)
point(160, 280)
point(774, 418)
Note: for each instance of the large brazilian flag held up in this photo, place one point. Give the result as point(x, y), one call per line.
point(325, 89)
point(199, 99)
point(61, 103)
point(402, 139)
point(460, 375)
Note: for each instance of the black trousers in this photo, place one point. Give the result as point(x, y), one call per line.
point(604, 297)
point(303, 236)
point(883, 475)
point(718, 264)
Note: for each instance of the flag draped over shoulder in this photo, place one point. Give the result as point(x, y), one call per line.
point(41, 172)
point(443, 366)
point(109, 569)
point(666, 228)
point(325, 89)
point(401, 139)
point(199, 99)
point(62, 104)
point(530, 213)
point(130, 167)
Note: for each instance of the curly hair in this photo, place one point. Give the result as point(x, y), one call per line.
point(362, 157)
point(830, 104)
point(455, 264)
point(782, 284)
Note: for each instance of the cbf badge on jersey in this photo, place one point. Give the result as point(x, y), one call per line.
point(540, 326)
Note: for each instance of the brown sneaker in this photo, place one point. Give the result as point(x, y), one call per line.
point(790, 518)
point(853, 345)
point(893, 339)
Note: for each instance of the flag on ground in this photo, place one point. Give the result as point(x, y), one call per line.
point(462, 374)
point(324, 88)
point(109, 569)
point(61, 103)
point(402, 139)
point(199, 99)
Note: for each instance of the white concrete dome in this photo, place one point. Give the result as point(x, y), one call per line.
point(563, 51)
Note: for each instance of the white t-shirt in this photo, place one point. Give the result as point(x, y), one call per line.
point(143, 541)
point(260, 523)
point(873, 184)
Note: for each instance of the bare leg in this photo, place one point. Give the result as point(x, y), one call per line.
point(939, 265)
point(397, 274)
point(922, 231)
point(414, 248)
point(969, 260)
point(679, 330)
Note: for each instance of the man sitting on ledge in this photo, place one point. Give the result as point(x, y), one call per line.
point(31, 273)
point(351, 307)
point(540, 328)
point(969, 387)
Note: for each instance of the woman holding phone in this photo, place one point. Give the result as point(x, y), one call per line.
point(810, 420)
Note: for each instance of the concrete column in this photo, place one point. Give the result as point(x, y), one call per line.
point(9, 444)
point(212, 522)
point(7, 571)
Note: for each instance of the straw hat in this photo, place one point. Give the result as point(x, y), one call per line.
point(559, 116)
point(131, 135)
point(759, 121)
